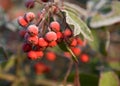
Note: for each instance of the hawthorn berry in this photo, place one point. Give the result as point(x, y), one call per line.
point(29, 16)
point(76, 51)
point(29, 3)
point(55, 26)
point(42, 42)
point(39, 54)
point(41, 68)
point(32, 30)
point(67, 33)
point(32, 55)
point(26, 47)
point(84, 58)
point(52, 44)
point(22, 22)
point(22, 33)
point(73, 43)
point(50, 56)
point(32, 40)
point(51, 36)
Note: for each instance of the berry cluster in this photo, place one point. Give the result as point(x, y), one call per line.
point(42, 31)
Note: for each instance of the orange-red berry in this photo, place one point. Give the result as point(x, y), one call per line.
point(32, 30)
point(51, 36)
point(84, 58)
point(42, 42)
point(39, 54)
point(76, 51)
point(50, 56)
point(73, 43)
point(22, 22)
point(67, 33)
point(32, 55)
point(52, 44)
point(29, 16)
point(55, 26)
point(33, 40)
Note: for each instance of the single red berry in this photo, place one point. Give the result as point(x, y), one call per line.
point(33, 40)
point(55, 26)
point(41, 68)
point(29, 16)
point(84, 58)
point(67, 33)
point(26, 47)
point(59, 35)
point(42, 42)
point(22, 33)
point(67, 54)
point(76, 51)
point(44, 0)
point(22, 22)
point(29, 3)
point(51, 36)
point(39, 54)
point(52, 44)
point(73, 43)
point(79, 41)
point(50, 56)
point(32, 30)
point(32, 55)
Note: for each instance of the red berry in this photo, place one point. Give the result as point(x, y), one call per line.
point(22, 22)
point(67, 33)
point(76, 51)
point(67, 54)
point(26, 47)
point(59, 35)
point(42, 42)
point(79, 41)
point(52, 44)
point(29, 16)
point(32, 55)
point(32, 30)
point(51, 36)
point(22, 33)
point(73, 43)
point(44, 0)
point(29, 3)
point(41, 68)
point(39, 54)
point(33, 40)
point(84, 58)
point(50, 56)
point(55, 26)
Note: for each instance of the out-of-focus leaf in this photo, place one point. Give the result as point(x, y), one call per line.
point(8, 64)
point(114, 65)
point(73, 18)
point(109, 78)
point(85, 79)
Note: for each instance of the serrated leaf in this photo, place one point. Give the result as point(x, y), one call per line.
point(73, 18)
point(109, 78)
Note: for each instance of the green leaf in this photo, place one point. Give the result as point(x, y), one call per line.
point(73, 18)
point(108, 78)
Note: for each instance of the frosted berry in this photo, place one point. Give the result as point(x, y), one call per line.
point(67, 33)
point(33, 40)
point(84, 58)
point(22, 22)
point(32, 55)
point(29, 3)
point(32, 30)
point(50, 56)
point(51, 36)
point(26, 47)
point(42, 42)
point(52, 44)
point(55, 26)
point(29, 16)
point(76, 51)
